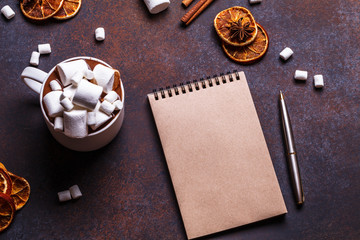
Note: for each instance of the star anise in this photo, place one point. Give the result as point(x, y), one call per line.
point(240, 29)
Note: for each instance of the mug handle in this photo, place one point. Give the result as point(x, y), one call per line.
point(33, 78)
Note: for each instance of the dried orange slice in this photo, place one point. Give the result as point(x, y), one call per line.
point(2, 166)
point(40, 9)
point(236, 26)
point(20, 190)
point(252, 52)
point(5, 182)
point(7, 211)
point(68, 10)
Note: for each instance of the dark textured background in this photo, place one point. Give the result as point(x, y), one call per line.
point(127, 192)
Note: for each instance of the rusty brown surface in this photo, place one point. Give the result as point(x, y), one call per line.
point(127, 192)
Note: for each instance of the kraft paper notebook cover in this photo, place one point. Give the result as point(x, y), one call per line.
point(216, 154)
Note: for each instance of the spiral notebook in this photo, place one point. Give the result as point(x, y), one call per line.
point(216, 153)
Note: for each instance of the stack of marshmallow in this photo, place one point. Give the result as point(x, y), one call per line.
point(76, 104)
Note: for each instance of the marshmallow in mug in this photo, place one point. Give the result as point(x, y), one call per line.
point(111, 96)
point(156, 6)
point(100, 117)
point(87, 94)
point(52, 103)
point(59, 124)
point(118, 104)
point(55, 86)
point(75, 124)
point(67, 70)
point(104, 77)
point(107, 107)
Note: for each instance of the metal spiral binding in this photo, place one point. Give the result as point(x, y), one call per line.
point(198, 84)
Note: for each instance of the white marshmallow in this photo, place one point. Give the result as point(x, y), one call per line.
point(52, 103)
point(111, 96)
point(67, 104)
point(64, 196)
point(91, 118)
point(88, 74)
point(76, 78)
point(59, 124)
point(286, 53)
point(255, 1)
point(75, 192)
point(100, 34)
point(8, 12)
point(318, 81)
point(75, 124)
point(34, 60)
point(69, 92)
point(44, 48)
point(118, 105)
point(101, 117)
point(107, 107)
point(68, 69)
point(156, 6)
point(87, 94)
point(55, 85)
point(104, 77)
point(301, 75)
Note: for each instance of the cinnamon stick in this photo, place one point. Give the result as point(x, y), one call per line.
point(202, 8)
point(186, 3)
point(192, 11)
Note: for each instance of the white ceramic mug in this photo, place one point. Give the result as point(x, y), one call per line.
point(35, 79)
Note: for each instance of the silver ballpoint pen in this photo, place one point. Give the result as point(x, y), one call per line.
point(291, 153)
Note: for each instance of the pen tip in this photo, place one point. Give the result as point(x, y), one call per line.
point(281, 95)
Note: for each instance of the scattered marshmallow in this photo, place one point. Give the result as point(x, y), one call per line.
point(8, 12)
point(286, 53)
point(64, 196)
point(67, 104)
point(111, 96)
point(91, 118)
point(44, 48)
point(75, 124)
point(318, 81)
point(75, 192)
point(301, 75)
point(104, 77)
point(52, 103)
point(87, 94)
point(55, 85)
point(88, 74)
point(67, 69)
point(100, 34)
point(76, 78)
point(107, 107)
point(255, 1)
point(118, 105)
point(34, 60)
point(156, 6)
point(59, 124)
